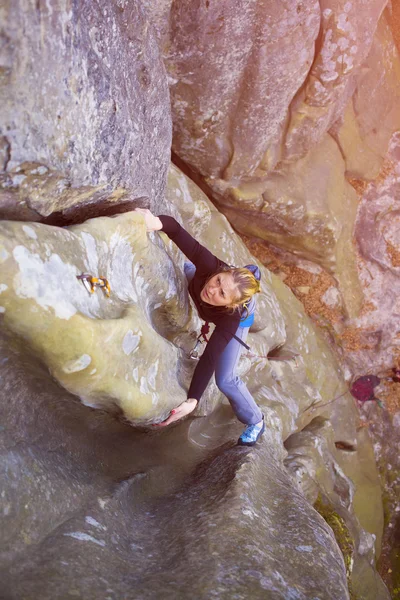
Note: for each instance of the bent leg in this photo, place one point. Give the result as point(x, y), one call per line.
point(242, 402)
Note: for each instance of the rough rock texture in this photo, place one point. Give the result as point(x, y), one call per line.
point(88, 340)
point(345, 38)
point(33, 192)
point(385, 426)
point(312, 458)
point(377, 234)
point(234, 70)
point(129, 525)
point(96, 510)
point(364, 130)
point(93, 507)
point(83, 89)
point(259, 91)
point(309, 208)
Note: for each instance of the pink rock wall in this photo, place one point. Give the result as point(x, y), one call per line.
point(276, 106)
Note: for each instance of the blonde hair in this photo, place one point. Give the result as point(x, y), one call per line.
point(246, 286)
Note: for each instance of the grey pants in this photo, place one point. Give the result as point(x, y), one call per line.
point(242, 402)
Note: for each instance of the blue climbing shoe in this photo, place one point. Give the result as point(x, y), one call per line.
point(251, 434)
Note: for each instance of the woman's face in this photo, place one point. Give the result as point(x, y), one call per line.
point(220, 290)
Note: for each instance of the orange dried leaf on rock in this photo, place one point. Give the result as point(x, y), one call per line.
point(352, 339)
point(360, 185)
point(394, 254)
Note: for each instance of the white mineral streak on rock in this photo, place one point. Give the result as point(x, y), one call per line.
point(172, 291)
point(95, 523)
point(89, 402)
point(121, 268)
point(151, 374)
point(18, 179)
point(84, 537)
point(102, 503)
point(135, 374)
point(29, 232)
point(3, 287)
point(331, 297)
point(343, 43)
point(42, 170)
point(93, 371)
point(144, 388)
point(309, 267)
point(131, 341)
point(41, 280)
point(250, 513)
point(3, 255)
point(343, 23)
point(139, 281)
point(2, 309)
point(92, 259)
point(78, 364)
point(349, 62)
point(184, 188)
point(304, 548)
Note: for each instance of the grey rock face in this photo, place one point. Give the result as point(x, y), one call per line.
point(84, 90)
point(234, 69)
point(97, 509)
point(94, 509)
point(314, 460)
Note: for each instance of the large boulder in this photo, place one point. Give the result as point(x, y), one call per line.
point(234, 70)
point(274, 106)
point(130, 351)
point(84, 91)
point(345, 38)
point(377, 236)
point(92, 506)
point(103, 349)
point(94, 509)
point(338, 493)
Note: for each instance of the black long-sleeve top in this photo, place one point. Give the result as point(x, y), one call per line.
point(226, 322)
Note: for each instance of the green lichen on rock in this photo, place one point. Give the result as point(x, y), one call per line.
point(342, 536)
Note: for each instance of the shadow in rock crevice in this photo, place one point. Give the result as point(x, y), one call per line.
point(149, 505)
point(37, 411)
point(59, 456)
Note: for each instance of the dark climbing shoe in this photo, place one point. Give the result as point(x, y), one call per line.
point(251, 434)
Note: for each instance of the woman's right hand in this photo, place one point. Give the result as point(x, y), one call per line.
point(153, 223)
point(181, 411)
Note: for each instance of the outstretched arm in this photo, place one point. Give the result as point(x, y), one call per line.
point(202, 258)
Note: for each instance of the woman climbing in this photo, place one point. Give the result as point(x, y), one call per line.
point(224, 296)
